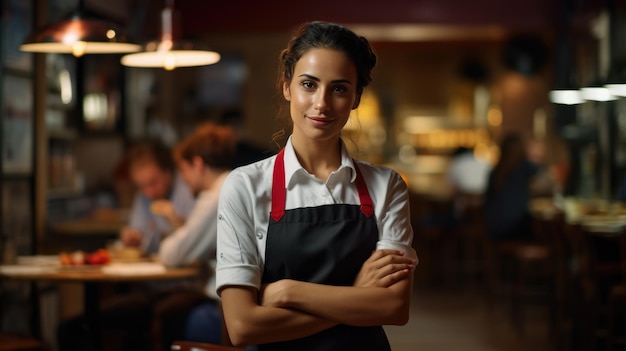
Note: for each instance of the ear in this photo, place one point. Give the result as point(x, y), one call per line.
point(197, 161)
point(356, 102)
point(286, 91)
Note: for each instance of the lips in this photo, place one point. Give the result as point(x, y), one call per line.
point(320, 121)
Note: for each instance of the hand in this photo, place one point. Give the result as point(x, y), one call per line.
point(162, 208)
point(272, 294)
point(383, 269)
point(130, 237)
point(165, 208)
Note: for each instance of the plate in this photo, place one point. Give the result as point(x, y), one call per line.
point(130, 260)
point(26, 270)
point(134, 269)
point(38, 260)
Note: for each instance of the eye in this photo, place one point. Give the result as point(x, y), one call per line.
point(307, 84)
point(340, 89)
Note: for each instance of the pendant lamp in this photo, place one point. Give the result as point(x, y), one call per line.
point(566, 90)
point(169, 52)
point(79, 35)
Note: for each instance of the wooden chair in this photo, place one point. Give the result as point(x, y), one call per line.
point(468, 239)
point(200, 346)
point(541, 273)
point(525, 272)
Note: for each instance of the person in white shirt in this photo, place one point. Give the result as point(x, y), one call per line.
point(314, 248)
point(204, 160)
point(467, 173)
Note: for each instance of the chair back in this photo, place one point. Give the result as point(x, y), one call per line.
point(201, 346)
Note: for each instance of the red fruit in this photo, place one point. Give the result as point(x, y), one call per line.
point(99, 257)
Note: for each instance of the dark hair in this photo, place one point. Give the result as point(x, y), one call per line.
point(316, 35)
point(214, 144)
point(150, 152)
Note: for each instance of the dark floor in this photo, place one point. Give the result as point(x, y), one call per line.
point(449, 319)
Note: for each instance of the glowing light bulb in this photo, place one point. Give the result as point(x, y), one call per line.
point(169, 63)
point(78, 48)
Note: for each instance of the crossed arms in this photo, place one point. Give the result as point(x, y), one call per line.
point(289, 309)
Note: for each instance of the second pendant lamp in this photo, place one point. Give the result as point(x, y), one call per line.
point(171, 52)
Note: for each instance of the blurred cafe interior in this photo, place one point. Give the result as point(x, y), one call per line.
point(451, 75)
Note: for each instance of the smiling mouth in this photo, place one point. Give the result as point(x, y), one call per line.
point(320, 121)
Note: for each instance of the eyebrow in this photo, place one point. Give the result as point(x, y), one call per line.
point(317, 79)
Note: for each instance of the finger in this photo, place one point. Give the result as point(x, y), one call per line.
point(392, 259)
point(381, 254)
point(393, 268)
point(395, 277)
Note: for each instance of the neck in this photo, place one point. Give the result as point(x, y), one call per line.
point(210, 176)
point(318, 158)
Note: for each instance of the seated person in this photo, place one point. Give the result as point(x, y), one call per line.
point(467, 173)
point(152, 170)
point(468, 177)
point(204, 160)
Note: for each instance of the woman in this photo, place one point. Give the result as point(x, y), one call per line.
point(509, 191)
point(314, 248)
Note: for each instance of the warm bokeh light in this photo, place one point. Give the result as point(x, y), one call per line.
point(78, 48)
point(494, 116)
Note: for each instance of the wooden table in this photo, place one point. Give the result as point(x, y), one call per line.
point(604, 224)
point(91, 278)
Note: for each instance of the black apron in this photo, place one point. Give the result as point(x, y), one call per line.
point(326, 245)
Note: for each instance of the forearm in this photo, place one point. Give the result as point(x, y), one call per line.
point(357, 306)
point(250, 324)
point(189, 243)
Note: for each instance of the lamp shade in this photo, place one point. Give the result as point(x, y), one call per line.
point(170, 52)
point(596, 91)
point(78, 36)
point(567, 93)
point(566, 96)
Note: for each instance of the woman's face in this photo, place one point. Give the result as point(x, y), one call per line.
point(321, 94)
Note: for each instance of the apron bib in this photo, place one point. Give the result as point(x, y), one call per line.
point(326, 245)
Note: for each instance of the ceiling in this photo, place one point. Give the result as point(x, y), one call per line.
point(281, 15)
point(474, 18)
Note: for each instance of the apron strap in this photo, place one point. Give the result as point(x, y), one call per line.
point(279, 192)
point(367, 205)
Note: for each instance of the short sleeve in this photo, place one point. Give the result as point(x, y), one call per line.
point(395, 227)
point(238, 259)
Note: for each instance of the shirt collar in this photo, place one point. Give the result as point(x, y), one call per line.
point(292, 165)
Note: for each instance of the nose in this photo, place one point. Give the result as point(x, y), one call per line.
point(321, 101)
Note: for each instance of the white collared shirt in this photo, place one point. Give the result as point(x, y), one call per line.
point(245, 204)
point(197, 238)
